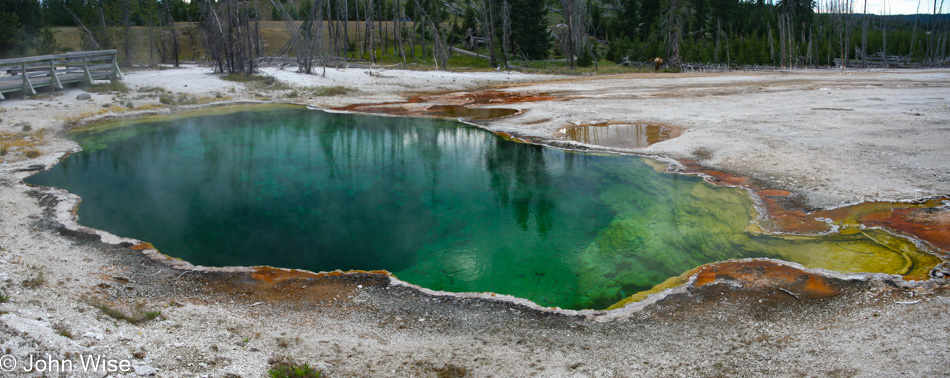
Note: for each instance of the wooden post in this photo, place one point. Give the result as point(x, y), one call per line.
point(115, 66)
point(52, 73)
point(27, 85)
point(85, 68)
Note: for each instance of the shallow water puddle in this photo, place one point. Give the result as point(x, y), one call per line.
point(440, 204)
point(457, 105)
point(464, 112)
point(446, 111)
point(619, 135)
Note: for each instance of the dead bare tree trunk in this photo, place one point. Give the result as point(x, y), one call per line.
point(228, 39)
point(258, 39)
point(369, 12)
point(792, 48)
point(398, 16)
point(127, 31)
point(842, 11)
point(103, 32)
point(440, 50)
point(171, 24)
point(489, 30)
point(298, 40)
point(88, 34)
point(313, 28)
point(719, 38)
point(811, 56)
point(359, 36)
point(913, 33)
point(412, 34)
point(674, 34)
point(573, 39)
point(346, 27)
point(771, 44)
point(215, 45)
point(505, 31)
point(884, 42)
point(380, 26)
point(865, 20)
point(936, 49)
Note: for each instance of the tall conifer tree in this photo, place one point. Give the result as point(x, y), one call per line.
point(529, 29)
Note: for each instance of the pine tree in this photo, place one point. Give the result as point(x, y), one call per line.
point(28, 12)
point(529, 31)
point(11, 34)
point(47, 42)
point(304, 9)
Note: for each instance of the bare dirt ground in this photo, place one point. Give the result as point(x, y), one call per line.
point(835, 137)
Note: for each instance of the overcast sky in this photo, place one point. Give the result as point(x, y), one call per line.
point(898, 6)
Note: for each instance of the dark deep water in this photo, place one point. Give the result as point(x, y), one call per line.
point(438, 203)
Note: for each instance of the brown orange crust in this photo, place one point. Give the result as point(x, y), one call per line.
point(920, 219)
point(923, 223)
point(142, 246)
point(270, 274)
point(762, 274)
point(482, 98)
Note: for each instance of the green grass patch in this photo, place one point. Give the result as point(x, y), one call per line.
point(63, 330)
point(331, 91)
point(37, 280)
point(258, 82)
point(45, 96)
point(167, 98)
point(112, 86)
point(136, 317)
point(287, 367)
point(148, 89)
point(32, 153)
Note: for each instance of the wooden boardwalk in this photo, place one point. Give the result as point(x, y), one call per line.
point(28, 73)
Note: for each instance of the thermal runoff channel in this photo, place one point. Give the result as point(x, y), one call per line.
point(438, 203)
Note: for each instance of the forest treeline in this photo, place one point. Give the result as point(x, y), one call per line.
point(787, 33)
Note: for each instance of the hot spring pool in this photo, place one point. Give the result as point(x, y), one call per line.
point(440, 204)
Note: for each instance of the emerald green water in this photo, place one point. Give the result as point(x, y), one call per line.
point(440, 204)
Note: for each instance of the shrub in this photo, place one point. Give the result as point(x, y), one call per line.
point(286, 367)
point(331, 91)
point(35, 281)
point(256, 82)
point(134, 318)
point(112, 86)
point(702, 153)
point(63, 330)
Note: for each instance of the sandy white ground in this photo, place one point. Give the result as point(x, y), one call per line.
point(836, 137)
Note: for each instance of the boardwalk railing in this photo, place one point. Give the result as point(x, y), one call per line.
point(27, 74)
